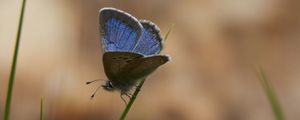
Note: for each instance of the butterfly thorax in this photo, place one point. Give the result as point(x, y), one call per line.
point(122, 86)
point(110, 86)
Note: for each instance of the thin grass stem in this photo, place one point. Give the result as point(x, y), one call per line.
point(277, 110)
point(42, 109)
point(137, 90)
point(167, 35)
point(14, 65)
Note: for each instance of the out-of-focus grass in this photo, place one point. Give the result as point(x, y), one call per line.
point(137, 90)
point(277, 110)
point(14, 65)
point(42, 109)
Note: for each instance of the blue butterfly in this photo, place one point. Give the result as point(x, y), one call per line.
point(131, 49)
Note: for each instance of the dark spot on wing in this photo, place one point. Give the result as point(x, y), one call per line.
point(128, 61)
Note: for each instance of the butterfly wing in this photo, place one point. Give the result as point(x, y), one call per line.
point(114, 63)
point(151, 41)
point(142, 67)
point(120, 31)
point(126, 41)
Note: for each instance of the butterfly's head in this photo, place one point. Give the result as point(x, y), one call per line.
point(108, 86)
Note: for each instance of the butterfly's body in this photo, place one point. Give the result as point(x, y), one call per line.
point(131, 49)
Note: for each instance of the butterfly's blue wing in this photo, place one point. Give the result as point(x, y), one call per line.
point(130, 48)
point(120, 31)
point(150, 42)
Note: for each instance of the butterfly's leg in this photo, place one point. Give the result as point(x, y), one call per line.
point(121, 95)
point(128, 95)
point(135, 87)
point(123, 92)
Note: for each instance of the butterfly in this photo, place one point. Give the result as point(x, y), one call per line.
point(131, 49)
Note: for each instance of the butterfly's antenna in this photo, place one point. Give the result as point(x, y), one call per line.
point(89, 82)
point(93, 95)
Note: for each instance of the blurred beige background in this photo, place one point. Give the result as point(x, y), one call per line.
point(215, 45)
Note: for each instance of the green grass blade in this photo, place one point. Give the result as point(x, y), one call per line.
point(167, 35)
point(13, 66)
point(277, 110)
point(137, 90)
point(42, 109)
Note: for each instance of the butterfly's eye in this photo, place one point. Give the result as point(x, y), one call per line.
point(108, 86)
